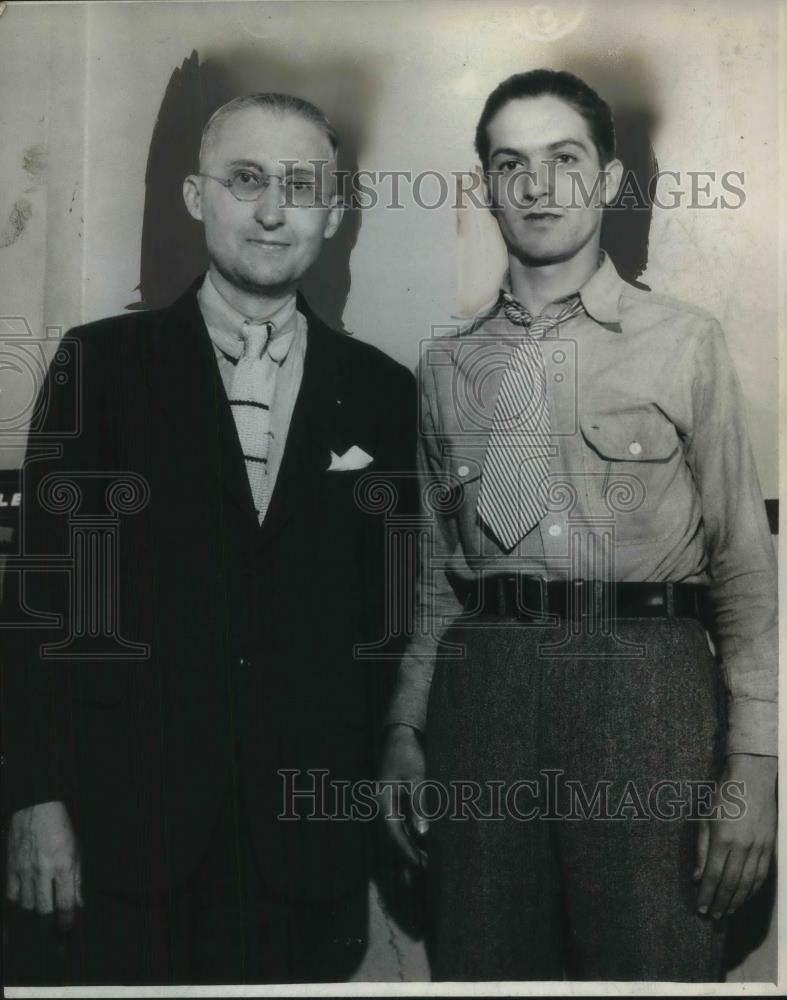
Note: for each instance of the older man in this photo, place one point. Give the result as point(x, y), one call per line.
point(147, 785)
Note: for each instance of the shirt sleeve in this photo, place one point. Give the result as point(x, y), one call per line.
point(438, 552)
point(741, 559)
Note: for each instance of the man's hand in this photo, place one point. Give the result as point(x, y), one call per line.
point(403, 764)
point(44, 871)
point(734, 855)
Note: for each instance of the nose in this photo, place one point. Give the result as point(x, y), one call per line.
point(269, 207)
point(535, 182)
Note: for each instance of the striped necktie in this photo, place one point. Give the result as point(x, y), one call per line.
point(251, 398)
point(512, 497)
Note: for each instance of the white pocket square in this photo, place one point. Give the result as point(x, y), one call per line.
point(353, 458)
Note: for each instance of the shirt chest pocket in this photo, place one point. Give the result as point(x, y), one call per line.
point(633, 463)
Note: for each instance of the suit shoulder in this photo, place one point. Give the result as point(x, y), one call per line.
point(123, 325)
point(372, 360)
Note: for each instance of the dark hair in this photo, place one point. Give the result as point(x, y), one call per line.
point(556, 83)
point(280, 103)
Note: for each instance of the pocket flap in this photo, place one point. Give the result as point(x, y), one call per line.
point(630, 435)
point(463, 469)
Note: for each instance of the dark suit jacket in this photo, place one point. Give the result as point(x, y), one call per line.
point(250, 629)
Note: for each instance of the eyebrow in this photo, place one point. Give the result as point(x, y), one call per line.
point(510, 151)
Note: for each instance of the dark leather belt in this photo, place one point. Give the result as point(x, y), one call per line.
point(528, 597)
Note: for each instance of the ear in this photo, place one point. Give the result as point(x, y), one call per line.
point(192, 195)
point(335, 216)
point(613, 175)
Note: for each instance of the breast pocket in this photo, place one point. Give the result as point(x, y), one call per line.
point(634, 464)
point(344, 489)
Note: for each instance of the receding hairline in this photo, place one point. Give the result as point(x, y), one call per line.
point(279, 104)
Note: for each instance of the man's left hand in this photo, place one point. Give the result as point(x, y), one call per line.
point(734, 855)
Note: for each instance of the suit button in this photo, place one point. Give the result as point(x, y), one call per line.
point(635, 448)
point(463, 470)
point(244, 661)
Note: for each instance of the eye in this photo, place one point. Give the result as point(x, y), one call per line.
point(508, 165)
point(245, 179)
point(565, 158)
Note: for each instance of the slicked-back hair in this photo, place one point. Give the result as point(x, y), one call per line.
point(555, 83)
point(281, 103)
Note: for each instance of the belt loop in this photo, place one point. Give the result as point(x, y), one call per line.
point(669, 595)
point(521, 606)
point(576, 599)
point(500, 596)
point(598, 602)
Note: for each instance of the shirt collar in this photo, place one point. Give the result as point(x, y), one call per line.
point(224, 321)
point(600, 294)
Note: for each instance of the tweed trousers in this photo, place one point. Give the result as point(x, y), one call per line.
point(567, 773)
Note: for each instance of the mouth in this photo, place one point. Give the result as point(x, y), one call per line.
point(541, 217)
point(270, 244)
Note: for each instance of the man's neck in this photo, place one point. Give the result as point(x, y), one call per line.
point(254, 306)
point(538, 286)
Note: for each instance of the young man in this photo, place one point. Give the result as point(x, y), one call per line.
point(597, 492)
point(146, 792)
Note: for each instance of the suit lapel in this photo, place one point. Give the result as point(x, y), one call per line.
point(196, 406)
point(206, 440)
point(307, 452)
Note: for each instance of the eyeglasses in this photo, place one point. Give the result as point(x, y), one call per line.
point(248, 185)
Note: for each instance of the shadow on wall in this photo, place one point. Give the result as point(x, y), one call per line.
point(632, 92)
point(173, 248)
point(625, 231)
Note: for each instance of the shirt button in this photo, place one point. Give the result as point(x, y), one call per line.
point(244, 661)
point(635, 448)
point(463, 470)
point(555, 530)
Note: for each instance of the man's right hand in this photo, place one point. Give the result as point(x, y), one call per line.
point(403, 765)
point(44, 870)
